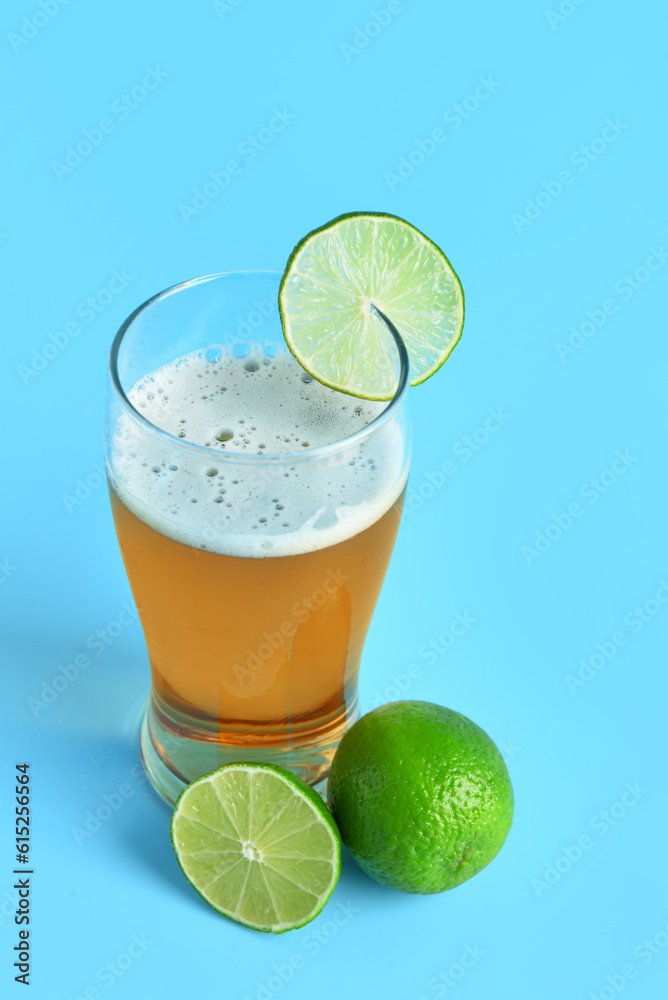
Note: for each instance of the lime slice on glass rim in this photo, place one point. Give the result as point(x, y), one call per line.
point(338, 273)
point(258, 844)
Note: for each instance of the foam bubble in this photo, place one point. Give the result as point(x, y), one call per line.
point(237, 404)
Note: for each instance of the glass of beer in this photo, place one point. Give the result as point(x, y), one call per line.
point(256, 511)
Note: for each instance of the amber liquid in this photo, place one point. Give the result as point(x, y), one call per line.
point(255, 650)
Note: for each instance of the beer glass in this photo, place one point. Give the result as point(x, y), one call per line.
point(255, 556)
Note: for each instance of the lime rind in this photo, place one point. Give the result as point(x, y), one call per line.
point(331, 279)
point(219, 815)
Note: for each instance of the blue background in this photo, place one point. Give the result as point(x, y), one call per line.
point(540, 924)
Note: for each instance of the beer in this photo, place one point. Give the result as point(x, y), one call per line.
point(255, 565)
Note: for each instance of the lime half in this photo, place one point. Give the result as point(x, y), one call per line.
point(258, 844)
point(332, 280)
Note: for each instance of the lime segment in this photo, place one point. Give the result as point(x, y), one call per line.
point(258, 844)
point(333, 278)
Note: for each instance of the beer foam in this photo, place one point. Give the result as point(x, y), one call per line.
point(262, 403)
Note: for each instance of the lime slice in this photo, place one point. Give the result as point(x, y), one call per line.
point(332, 280)
point(258, 844)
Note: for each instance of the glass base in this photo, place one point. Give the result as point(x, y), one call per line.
point(174, 756)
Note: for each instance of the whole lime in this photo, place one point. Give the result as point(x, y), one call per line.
point(421, 796)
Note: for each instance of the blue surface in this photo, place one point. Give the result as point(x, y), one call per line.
point(536, 922)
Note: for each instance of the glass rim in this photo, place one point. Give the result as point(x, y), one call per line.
point(322, 451)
